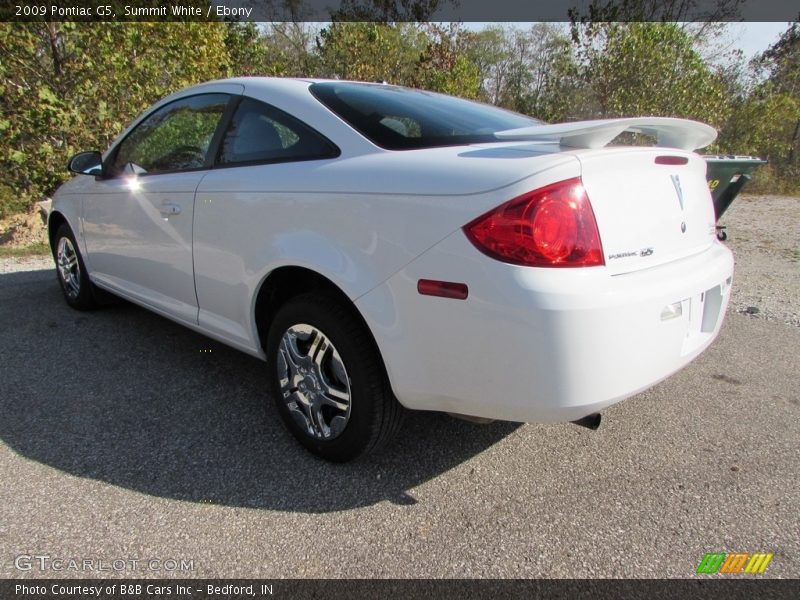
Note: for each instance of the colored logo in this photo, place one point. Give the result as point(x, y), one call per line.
point(738, 562)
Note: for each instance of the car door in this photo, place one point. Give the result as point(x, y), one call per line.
point(243, 204)
point(137, 223)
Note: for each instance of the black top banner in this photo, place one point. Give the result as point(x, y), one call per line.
point(400, 10)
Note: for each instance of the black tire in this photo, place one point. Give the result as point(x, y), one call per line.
point(71, 271)
point(321, 327)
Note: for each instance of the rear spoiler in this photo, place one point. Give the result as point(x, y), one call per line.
point(669, 132)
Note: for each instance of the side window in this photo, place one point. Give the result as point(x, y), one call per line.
point(174, 138)
point(262, 133)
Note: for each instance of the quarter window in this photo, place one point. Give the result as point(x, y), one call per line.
point(262, 133)
point(174, 138)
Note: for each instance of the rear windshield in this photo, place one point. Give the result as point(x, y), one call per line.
point(399, 118)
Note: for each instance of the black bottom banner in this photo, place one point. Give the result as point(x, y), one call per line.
point(220, 589)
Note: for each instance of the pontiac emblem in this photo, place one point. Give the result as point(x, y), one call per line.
point(676, 181)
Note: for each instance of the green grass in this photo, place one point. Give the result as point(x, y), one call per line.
point(37, 249)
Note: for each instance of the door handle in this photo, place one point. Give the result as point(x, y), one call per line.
point(168, 209)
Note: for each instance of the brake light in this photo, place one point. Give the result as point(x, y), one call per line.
point(553, 226)
point(671, 160)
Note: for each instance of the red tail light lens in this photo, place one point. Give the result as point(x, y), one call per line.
point(445, 289)
point(553, 226)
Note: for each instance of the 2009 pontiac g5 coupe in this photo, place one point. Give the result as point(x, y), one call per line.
point(381, 247)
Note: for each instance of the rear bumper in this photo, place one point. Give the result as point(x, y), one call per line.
point(542, 345)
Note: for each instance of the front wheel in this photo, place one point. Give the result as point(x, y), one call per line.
point(327, 380)
point(72, 275)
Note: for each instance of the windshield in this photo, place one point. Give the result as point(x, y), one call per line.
point(398, 118)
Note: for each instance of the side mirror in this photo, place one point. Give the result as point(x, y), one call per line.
point(86, 163)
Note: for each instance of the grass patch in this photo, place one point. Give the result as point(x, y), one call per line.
point(37, 249)
point(767, 179)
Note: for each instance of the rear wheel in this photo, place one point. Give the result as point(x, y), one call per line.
point(71, 271)
point(328, 381)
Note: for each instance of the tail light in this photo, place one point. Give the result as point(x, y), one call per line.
point(671, 160)
point(553, 226)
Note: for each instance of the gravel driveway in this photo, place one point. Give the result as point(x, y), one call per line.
point(764, 234)
point(126, 437)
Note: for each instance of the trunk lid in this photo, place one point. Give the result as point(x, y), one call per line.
point(649, 212)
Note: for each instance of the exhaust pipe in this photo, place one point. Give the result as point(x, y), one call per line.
point(591, 421)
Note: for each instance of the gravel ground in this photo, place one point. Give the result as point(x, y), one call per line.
point(764, 234)
point(25, 263)
point(123, 438)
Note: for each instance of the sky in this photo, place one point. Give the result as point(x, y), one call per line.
point(757, 37)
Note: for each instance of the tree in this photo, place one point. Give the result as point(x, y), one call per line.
point(487, 50)
point(649, 69)
point(531, 71)
point(66, 87)
point(247, 52)
point(781, 61)
point(444, 65)
point(290, 49)
point(766, 116)
point(371, 51)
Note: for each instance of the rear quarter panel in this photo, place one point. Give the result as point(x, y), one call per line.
point(356, 221)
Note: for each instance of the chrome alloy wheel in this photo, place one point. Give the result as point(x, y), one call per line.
point(314, 382)
point(68, 268)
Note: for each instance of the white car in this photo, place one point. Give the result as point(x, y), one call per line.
point(384, 248)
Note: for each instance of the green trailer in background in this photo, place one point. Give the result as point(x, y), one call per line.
point(726, 176)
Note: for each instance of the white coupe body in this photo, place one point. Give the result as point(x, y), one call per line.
point(527, 343)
